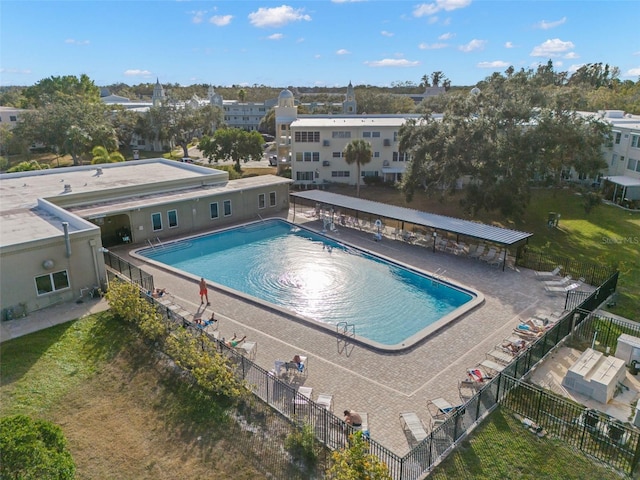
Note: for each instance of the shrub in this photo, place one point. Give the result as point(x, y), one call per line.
point(355, 462)
point(33, 449)
point(301, 444)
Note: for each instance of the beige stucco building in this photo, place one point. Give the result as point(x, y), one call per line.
point(56, 223)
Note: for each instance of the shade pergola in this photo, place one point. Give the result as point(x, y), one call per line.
point(624, 182)
point(438, 223)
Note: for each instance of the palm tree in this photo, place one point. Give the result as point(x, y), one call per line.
point(102, 155)
point(360, 153)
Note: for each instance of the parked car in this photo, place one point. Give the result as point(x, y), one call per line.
point(273, 160)
point(186, 160)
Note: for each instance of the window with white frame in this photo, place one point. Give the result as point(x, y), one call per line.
point(631, 164)
point(376, 154)
point(52, 282)
point(336, 154)
point(307, 137)
point(213, 210)
point(618, 136)
point(400, 157)
point(262, 201)
point(614, 157)
point(172, 217)
point(304, 176)
point(635, 141)
point(369, 173)
point(341, 134)
point(299, 156)
point(226, 205)
point(272, 199)
point(156, 221)
point(340, 173)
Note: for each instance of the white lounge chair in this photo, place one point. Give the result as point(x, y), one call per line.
point(412, 424)
point(559, 283)
point(490, 255)
point(477, 252)
point(547, 275)
point(561, 290)
point(325, 400)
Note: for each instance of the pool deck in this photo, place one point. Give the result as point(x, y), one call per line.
point(381, 384)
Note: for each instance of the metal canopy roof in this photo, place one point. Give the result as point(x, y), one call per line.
point(498, 235)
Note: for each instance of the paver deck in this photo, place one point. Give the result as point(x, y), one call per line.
point(382, 384)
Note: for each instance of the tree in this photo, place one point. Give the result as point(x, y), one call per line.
point(102, 155)
point(242, 94)
point(56, 89)
point(373, 102)
point(232, 144)
point(359, 152)
point(268, 123)
point(437, 77)
point(356, 463)
point(33, 449)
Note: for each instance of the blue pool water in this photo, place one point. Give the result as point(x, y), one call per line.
point(316, 277)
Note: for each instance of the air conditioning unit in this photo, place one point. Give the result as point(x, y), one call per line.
point(325, 163)
point(385, 163)
point(387, 142)
point(326, 143)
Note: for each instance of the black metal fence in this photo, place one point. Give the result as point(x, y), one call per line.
point(133, 273)
point(541, 261)
point(597, 435)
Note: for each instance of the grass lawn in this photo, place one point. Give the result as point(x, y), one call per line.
point(501, 448)
point(607, 235)
point(123, 414)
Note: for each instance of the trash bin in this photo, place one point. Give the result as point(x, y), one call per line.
point(633, 368)
point(551, 219)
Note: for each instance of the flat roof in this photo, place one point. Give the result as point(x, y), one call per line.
point(624, 181)
point(490, 233)
point(26, 217)
point(354, 121)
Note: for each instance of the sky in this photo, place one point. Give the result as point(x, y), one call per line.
point(310, 43)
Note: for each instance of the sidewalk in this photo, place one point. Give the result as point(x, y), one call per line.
point(49, 317)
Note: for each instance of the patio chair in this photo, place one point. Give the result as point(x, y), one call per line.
point(547, 275)
point(477, 252)
point(559, 283)
point(490, 255)
point(555, 290)
point(250, 349)
point(413, 425)
point(500, 355)
point(440, 409)
point(294, 370)
point(325, 400)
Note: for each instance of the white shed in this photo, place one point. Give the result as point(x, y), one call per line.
point(595, 375)
point(628, 348)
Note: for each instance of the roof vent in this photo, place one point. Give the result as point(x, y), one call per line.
point(99, 171)
point(67, 188)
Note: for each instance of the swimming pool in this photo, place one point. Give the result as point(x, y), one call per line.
point(317, 278)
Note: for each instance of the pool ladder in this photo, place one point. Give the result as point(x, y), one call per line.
point(438, 276)
point(346, 329)
point(160, 244)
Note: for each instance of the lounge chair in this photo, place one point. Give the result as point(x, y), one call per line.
point(547, 275)
point(413, 425)
point(492, 366)
point(559, 283)
point(501, 355)
point(440, 409)
point(561, 290)
point(490, 255)
point(325, 400)
point(294, 370)
point(477, 252)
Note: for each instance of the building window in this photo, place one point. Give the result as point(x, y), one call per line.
point(226, 205)
point(631, 164)
point(635, 141)
point(307, 137)
point(375, 134)
point(213, 210)
point(304, 176)
point(370, 173)
point(376, 154)
point(399, 157)
point(395, 136)
point(307, 156)
point(13, 118)
point(156, 221)
point(299, 156)
point(618, 136)
point(52, 282)
point(337, 154)
point(366, 134)
point(172, 217)
point(261, 201)
point(341, 134)
point(340, 173)
point(272, 199)
point(614, 157)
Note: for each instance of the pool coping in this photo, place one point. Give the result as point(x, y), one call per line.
point(409, 343)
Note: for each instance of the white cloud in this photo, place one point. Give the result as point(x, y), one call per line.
point(137, 73)
point(72, 41)
point(433, 46)
point(636, 53)
point(16, 70)
point(473, 45)
point(347, 1)
point(198, 16)
point(552, 48)
point(632, 72)
point(427, 9)
point(575, 67)
point(494, 64)
point(544, 25)
point(343, 51)
point(392, 62)
point(571, 56)
point(221, 20)
point(277, 17)
point(276, 36)
point(384, 33)
point(509, 45)
point(446, 36)
point(300, 40)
